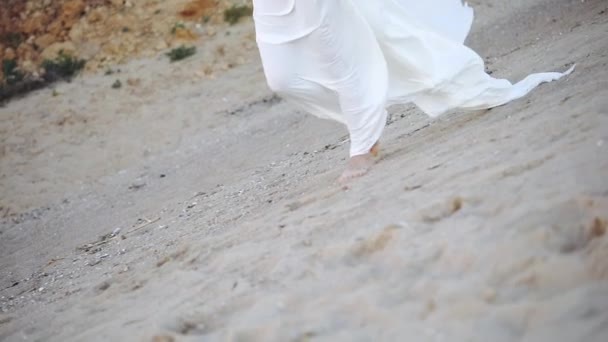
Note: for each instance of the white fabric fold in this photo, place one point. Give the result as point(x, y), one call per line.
point(347, 60)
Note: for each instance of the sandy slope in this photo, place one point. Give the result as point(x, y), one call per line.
point(485, 226)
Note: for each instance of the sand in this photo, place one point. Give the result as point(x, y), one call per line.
point(183, 207)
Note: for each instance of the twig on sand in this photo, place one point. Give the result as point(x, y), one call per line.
point(91, 246)
point(147, 223)
point(109, 237)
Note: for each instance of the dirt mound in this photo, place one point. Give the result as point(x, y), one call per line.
point(102, 32)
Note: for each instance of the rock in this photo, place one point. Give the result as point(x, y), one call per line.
point(117, 85)
point(28, 66)
point(161, 45)
point(35, 23)
point(94, 262)
point(185, 34)
point(9, 53)
point(134, 82)
point(117, 22)
point(55, 28)
point(97, 15)
point(26, 52)
point(77, 33)
point(42, 42)
point(71, 11)
point(208, 70)
point(53, 50)
point(103, 286)
point(489, 295)
point(196, 9)
point(88, 50)
point(5, 319)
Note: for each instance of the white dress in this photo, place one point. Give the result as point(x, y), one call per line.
point(347, 60)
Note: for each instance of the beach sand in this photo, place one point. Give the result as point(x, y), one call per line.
point(184, 207)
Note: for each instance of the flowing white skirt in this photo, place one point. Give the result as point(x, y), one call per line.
point(347, 60)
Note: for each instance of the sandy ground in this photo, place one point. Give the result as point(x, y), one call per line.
point(186, 208)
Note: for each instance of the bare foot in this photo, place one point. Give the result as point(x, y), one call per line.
point(359, 165)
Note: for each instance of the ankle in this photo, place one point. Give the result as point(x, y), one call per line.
point(375, 150)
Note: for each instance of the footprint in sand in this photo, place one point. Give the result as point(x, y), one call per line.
point(375, 243)
point(573, 225)
point(442, 211)
point(186, 327)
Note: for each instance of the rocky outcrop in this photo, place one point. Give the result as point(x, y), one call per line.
point(103, 32)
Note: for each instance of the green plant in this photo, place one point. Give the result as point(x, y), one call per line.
point(63, 67)
point(11, 74)
point(180, 53)
point(177, 26)
point(13, 39)
point(233, 14)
